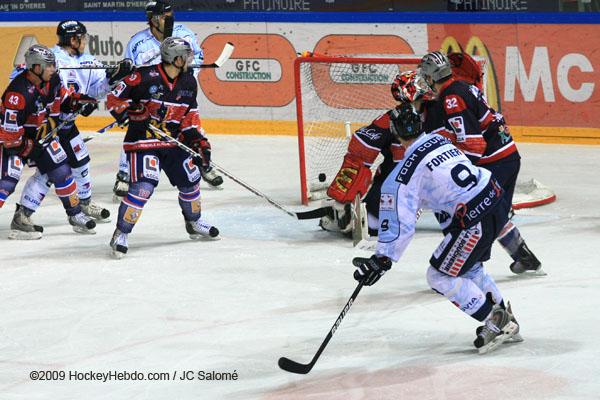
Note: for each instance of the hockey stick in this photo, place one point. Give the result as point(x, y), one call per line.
point(102, 130)
point(52, 134)
point(224, 172)
point(298, 368)
point(225, 54)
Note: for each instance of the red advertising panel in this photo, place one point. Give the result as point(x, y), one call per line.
point(543, 76)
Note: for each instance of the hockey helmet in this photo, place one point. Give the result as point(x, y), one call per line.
point(465, 68)
point(173, 47)
point(435, 66)
point(410, 86)
point(68, 29)
point(39, 55)
point(158, 7)
point(405, 122)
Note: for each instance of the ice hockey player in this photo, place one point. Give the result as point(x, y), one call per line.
point(85, 86)
point(30, 105)
point(144, 49)
point(354, 176)
point(163, 95)
point(462, 114)
point(436, 175)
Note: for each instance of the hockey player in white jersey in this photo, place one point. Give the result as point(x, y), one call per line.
point(471, 210)
point(144, 49)
point(84, 86)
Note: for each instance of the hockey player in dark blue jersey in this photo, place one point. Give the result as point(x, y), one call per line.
point(163, 95)
point(461, 113)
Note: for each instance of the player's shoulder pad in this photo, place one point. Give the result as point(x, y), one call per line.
point(456, 97)
point(135, 78)
point(181, 30)
point(383, 121)
point(138, 38)
point(14, 101)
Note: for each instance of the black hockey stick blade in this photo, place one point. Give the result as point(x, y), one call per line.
point(168, 27)
point(316, 213)
point(292, 366)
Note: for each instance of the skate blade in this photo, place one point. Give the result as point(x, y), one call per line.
point(20, 235)
point(508, 332)
point(83, 231)
point(101, 221)
point(199, 237)
point(117, 255)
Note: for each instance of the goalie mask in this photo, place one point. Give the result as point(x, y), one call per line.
point(410, 86)
point(173, 47)
point(405, 122)
point(435, 67)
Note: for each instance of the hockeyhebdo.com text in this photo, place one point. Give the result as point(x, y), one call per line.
point(112, 376)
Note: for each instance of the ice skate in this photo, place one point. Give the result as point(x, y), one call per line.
point(22, 227)
point(121, 186)
point(201, 230)
point(211, 177)
point(118, 244)
point(93, 210)
point(82, 224)
point(526, 262)
point(500, 327)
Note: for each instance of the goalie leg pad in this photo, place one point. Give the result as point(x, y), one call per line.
point(353, 178)
point(132, 205)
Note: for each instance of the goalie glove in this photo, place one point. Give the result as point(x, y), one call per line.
point(353, 178)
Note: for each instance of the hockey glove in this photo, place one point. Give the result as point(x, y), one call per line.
point(139, 116)
point(79, 102)
point(197, 142)
point(124, 68)
point(28, 148)
point(353, 178)
point(371, 269)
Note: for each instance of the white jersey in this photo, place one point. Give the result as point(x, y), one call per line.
point(144, 49)
point(92, 82)
point(433, 175)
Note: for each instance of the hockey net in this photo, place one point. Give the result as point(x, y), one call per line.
point(335, 96)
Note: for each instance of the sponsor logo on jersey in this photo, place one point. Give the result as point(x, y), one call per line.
point(371, 133)
point(458, 126)
point(387, 202)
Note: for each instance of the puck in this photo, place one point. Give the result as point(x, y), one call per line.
point(322, 177)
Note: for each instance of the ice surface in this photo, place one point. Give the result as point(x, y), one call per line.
point(273, 286)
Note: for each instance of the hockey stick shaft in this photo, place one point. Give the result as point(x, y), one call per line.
point(298, 368)
point(52, 134)
point(221, 170)
point(223, 57)
point(101, 131)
